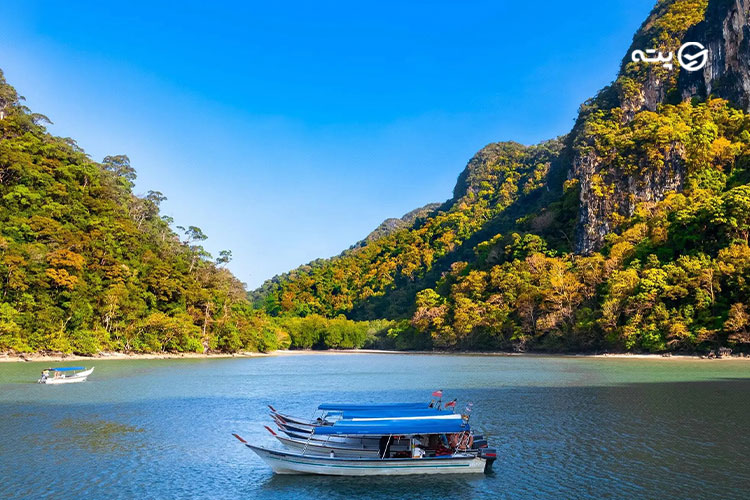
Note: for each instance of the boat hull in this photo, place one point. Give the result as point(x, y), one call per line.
point(338, 449)
point(74, 379)
point(294, 463)
point(71, 380)
point(294, 426)
point(364, 442)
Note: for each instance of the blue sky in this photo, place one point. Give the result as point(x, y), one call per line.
point(289, 130)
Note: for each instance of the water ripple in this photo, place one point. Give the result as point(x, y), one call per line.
point(564, 428)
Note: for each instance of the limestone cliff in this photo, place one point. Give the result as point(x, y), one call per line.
point(722, 26)
point(725, 32)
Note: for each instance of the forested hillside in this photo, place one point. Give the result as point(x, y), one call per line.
point(498, 177)
point(629, 233)
point(85, 265)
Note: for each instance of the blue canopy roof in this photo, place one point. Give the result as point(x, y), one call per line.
point(390, 412)
point(67, 368)
point(384, 406)
point(388, 427)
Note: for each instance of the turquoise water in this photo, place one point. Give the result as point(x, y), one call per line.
point(563, 427)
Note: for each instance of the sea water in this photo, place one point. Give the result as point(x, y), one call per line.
point(564, 427)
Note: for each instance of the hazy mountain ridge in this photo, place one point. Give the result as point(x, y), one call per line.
point(393, 224)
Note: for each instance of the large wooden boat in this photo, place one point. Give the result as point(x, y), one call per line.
point(340, 447)
point(378, 443)
point(285, 462)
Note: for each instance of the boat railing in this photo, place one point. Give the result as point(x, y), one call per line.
point(309, 438)
point(387, 444)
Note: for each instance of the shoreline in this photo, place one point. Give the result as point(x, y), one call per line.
point(106, 356)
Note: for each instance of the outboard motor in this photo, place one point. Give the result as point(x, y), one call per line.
point(479, 443)
point(490, 455)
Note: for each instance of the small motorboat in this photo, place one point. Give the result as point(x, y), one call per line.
point(65, 375)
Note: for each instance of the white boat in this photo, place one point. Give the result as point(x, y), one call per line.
point(283, 462)
point(322, 448)
point(310, 436)
point(353, 448)
point(395, 446)
point(359, 413)
point(360, 417)
point(364, 441)
point(295, 425)
point(332, 413)
point(65, 375)
point(478, 440)
point(301, 433)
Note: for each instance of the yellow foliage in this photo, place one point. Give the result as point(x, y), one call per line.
point(61, 278)
point(66, 258)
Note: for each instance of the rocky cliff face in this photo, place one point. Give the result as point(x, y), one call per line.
point(605, 195)
point(725, 32)
point(723, 27)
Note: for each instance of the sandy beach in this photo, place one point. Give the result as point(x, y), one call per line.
point(104, 356)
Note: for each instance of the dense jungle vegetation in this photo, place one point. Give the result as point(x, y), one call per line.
point(496, 267)
point(658, 185)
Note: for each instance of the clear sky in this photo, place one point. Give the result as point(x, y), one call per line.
point(289, 130)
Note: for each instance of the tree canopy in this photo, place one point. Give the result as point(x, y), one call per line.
point(86, 265)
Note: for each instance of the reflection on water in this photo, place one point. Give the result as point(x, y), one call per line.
point(397, 487)
point(564, 428)
point(93, 436)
